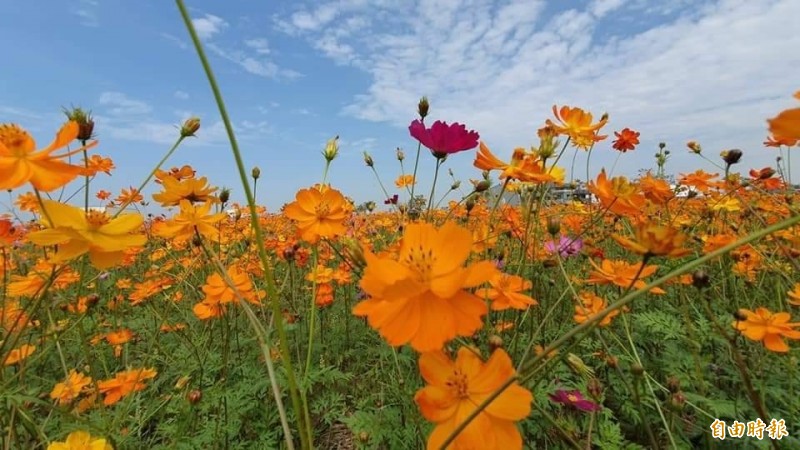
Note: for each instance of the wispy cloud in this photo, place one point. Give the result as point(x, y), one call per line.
point(175, 40)
point(181, 95)
point(711, 67)
point(18, 112)
point(209, 25)
point(86, 10)
point(119, 104)
point(259, 45)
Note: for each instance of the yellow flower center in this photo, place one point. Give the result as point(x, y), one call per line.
point(421, 260)
point(97, 219)
point(458, 383)
point(572, 398)
point(322, 210)
point(15, 139)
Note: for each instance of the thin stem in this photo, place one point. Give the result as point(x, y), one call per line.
point(305, 431)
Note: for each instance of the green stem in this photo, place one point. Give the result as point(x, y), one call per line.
point(433, 185)
point(305, 430)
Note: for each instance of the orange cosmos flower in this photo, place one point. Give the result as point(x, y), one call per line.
point(176, 173)
point(19, 354)
point(103, 195)
point(773, 141)
point(20, 162)
point(191, 219)
point(123, 384)
point(590, 305)
point(191, 189)
point(577, 124)
point(763, 325)
point(324, 295)
point(97, 164)
point(786, 125)
point(77, 232)
point(622, 274)
point(318, 214)
point(455, 389)
point(506, 292)
point(404, 181)
point(81, 440)
point(524, 166)
point(419, 298)
point(700, 180)
point(617, 194)
point(69, 389)
point(627, 139)
point(27, 202)
point(655, 189)
point(655, 240)
point(129, 196)
point(219, 293)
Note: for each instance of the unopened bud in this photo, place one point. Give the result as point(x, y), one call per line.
point(190, 127)
point(331, 149)
point(368, 160)
point(255, 173)
point(495, 342)
point(740, 315)
point(732, 156)
point(482, 185)
point(354, 253)
point(553, 226)
point(84, 121)
point(637, 369)
point(662, 145)
point(194, 396)
point(673, 384)
point(700, 279)
point(400, 155)
point(677, 401)
point(694, 147)
point(456, 184)
point(595, 388)
point(224, 195)
point(423, 107)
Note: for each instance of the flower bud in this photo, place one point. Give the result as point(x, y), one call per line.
point(694, 147)
point(190, 127)
point(353, 252)
point(495, 342)
point(331, 149)
point(256, 173)
point(400, 155)
point(700, 279)
point(194, 396)
point(673, 384)
point(740, 315)
point(637, 370)
point(662, 145)
point(482, 185)
point(368, 160)
point(676, 401)
point(595, 388)
point(85, 123)
point(363, 437)
point(224, 195)
point(732, 156)
point(553, 226)
point(456, 184)
point(423, 107)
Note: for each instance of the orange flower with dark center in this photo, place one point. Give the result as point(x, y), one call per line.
point(618, 195)
point(627, 139)
point(420, 297)
point(655, 240)
point(622, 274)
point(20, 162)
point(506, 292)
point(771, 329)
point(123, 384)
point(455, 389)
point(577, 124)
point(589, 305)
point(318, 214)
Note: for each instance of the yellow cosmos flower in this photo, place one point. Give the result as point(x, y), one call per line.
point(81, 440)
point(77, 232)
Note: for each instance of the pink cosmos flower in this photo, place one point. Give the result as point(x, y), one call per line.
point(574, 399)
point(443, 139)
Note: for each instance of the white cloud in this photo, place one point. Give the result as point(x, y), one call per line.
point(119, 104)
point(255, 65)
point(18, 112)
point(175, 40)
point(711, 70)
point(260, 45)
point(86, 10)
point(208, 26)
point(181, 95)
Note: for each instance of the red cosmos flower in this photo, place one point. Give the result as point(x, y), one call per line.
point(443, 139)
point(574, 399)
point(627, 139)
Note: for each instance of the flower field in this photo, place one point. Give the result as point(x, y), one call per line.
point(652, 312)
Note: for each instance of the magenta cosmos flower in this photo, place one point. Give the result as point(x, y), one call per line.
point(443, 139)
point(574, 399)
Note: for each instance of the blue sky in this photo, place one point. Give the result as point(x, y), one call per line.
point(296, 73)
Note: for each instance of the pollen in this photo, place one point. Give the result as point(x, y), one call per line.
point(15, 139)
